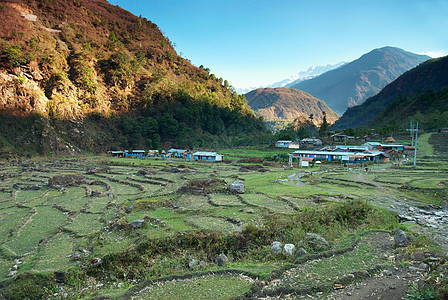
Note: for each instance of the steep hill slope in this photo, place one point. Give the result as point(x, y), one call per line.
point(432, 74)
point(354, 82)
point(280, 106)
point(114, 77)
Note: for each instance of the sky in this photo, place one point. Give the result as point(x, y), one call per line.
point(253, 43)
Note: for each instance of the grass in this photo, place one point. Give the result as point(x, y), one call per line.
point(225, 200)
point(54, 255)
point(210, 223)
point(42, 224)
point(424, 148)
point(283, 210)
point(85, 224)
point(273, 205)
point(204, 287)
point(328, 270)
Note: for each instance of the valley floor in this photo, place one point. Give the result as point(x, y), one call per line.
point(143, 229)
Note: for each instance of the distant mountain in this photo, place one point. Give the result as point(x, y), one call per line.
point(415, 90)
point(280, 106)
point(312, 72)
point(296, 78)
point(354, 82)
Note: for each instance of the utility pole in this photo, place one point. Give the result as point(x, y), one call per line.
point(414, 131)
point(415, 153)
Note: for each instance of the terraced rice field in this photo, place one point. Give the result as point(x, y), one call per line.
point(49, 229)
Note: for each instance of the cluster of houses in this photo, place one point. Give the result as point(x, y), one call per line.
point(172, 153)
point(367, 152)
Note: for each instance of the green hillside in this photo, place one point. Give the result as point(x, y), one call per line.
point(91, 76)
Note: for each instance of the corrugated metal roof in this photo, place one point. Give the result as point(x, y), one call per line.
point(323, 152)
point(207, 154)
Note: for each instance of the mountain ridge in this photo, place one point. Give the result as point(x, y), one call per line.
point(431, 74)
point(352, 83)
point(280, 106)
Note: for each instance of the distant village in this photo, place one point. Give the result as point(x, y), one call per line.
point(311, 151)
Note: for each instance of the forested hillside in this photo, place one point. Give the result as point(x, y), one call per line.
point(280, 106)
point(87, 75)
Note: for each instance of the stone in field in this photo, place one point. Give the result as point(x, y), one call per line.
point(221, 260)
point(289, 249)
point(237, 187)
point(276, 248)
point(65, 180)
point(316, 242)
point(137, 223)
point(400, 238)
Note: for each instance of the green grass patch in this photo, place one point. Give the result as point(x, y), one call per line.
point(9, 220)
point(204, 287)
point(273, 205)
point(225, 200)
point(193, 203)
point(173, 220)
point(424, 148)
point(85, 224)
point(210, 223)
point(42, 224)
point(53, 256)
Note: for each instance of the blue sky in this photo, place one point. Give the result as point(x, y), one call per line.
point(252, 43)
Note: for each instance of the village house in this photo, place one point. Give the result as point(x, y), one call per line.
point(342, 137)
point(342, 156)
point(135, 153)
point(152, 153)
point(119, 153)
point(207, 156)
point(311, 142)
point(283, 143)
point(294, 145)
point(372, 145)
point(355, 149)
point(179, 153)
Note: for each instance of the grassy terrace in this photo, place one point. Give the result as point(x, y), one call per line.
point(44, 228)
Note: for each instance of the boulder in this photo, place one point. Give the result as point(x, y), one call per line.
point(237, 187)
point(400, 238)
point(65, 180)
point(137, 223)
point(95, 194)
point(221, 260)
point(301, 252)
point(316, 242)
point(98, 169)
point(289, 249)
point(146, 171)
point(33, 187)
point(276, 248)
point(15, 186)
